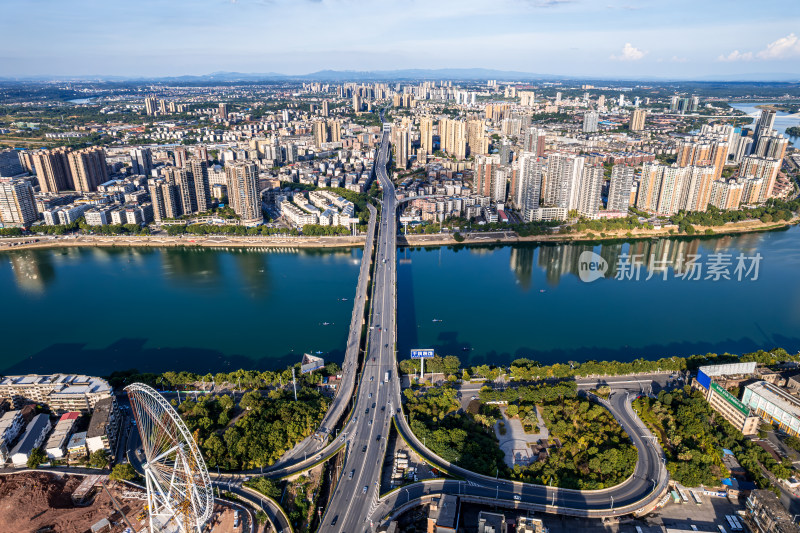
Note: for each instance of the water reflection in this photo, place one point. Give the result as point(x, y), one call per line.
point(656, 257)
point(32, 270)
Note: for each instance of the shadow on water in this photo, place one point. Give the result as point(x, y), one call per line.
point(447, 343)
point(129, 353)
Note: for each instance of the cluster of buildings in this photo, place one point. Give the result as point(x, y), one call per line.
point(71, 398)
point(320, 207)
point(445, 516)
point(766, 397)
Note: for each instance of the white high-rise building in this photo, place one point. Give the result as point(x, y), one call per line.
point(589, 191)
point(564, 172)
point(619, 189)
point(17, 204)
point(590, 121)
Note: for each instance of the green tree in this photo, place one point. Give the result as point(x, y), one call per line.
point(36, 458)
point(123, 472)
point(512, 410)
point(98, 459)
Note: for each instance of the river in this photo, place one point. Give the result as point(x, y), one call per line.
point(497, 303)
point(204, 310)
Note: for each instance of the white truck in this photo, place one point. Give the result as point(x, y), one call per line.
point(386, 377)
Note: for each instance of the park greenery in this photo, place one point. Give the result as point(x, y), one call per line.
point(608, 224)
point(693, 436)
point(36, 458)
point(594, 451)
point(457, 437)
point(257, 431)
point(793, 131)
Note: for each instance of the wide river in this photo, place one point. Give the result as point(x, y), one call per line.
point(98, 310)
point(495, 304)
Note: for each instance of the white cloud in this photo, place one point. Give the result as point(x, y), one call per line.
point(676, 59)
point(784, 47)
point(629, 53)
point(736, 56)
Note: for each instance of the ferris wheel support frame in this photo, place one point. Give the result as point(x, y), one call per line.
point(145, 401)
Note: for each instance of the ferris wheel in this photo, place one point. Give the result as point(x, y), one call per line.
point(180, 497)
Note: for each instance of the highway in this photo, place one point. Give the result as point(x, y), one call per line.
point(356, 494)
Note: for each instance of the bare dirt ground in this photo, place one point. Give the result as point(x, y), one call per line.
point(42, 502)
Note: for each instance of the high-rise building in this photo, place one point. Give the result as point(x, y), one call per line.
point(88, 168)
point(320, 130)
point(357, 104)
point(179, 156)
point(150, 105)
point(637, 120)
point(765, 123)
point(771, 144)
point(17, 203)
point(164, 195)
point(589, 190)
point(726, 194)
point(141, 161)
point(198, 169)
point(243, 193)
point(335, 131)
point(401, 142)
point(530, 185)
point(453, 137)
point(223, 111)
point(526, 98)
point(668, 189)
point(619, 189)
point(564, 173)
point(52, 170)
point(10, 164)
point(590, 121)
point(534, 141)
point(498, 185)
point(761, 167)
point(184, 188)
point(477, 141)
point(601, 101)
point(325, 111)
point(425, 137)
point(485, 166)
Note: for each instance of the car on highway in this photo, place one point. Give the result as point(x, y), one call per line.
point(369, 423)
point(371, 378)
point(517, 497)
point(367, 411)
point(378, 438)
point(364, 448)
point(364, 490)
point(373, 405)
point(352, 473)
point(335, 519)
point(386, 345)
point(370, 395)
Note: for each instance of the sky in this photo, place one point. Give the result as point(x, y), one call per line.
point(676, 39)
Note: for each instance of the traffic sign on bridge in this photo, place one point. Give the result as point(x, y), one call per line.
point(422, 353)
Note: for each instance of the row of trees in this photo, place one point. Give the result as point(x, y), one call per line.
point(773, 210)
point(239, 379)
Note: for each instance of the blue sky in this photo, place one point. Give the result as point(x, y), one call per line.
point(624, 38)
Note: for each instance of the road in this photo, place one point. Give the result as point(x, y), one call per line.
point(356, 494)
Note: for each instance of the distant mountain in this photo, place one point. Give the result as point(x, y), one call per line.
point(466, 74)
point(438, 74)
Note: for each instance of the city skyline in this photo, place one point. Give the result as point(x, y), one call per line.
point(152, 39)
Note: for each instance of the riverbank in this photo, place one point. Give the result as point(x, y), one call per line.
point(186, 241)
point(732, 228)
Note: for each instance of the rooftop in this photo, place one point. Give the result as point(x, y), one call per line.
point(100, 418)
point(32, 433)
point(777, 396)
